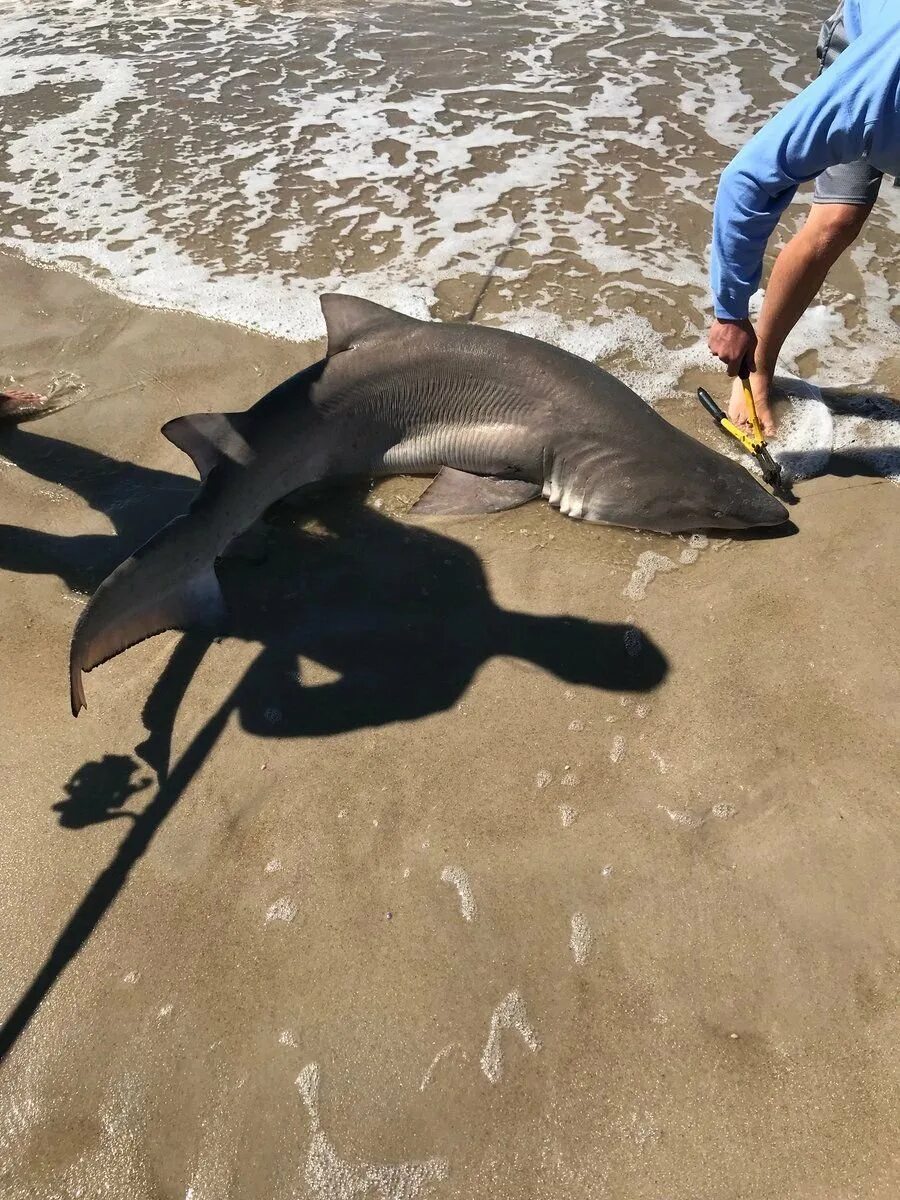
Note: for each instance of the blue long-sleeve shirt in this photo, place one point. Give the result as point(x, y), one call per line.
point(851, 111)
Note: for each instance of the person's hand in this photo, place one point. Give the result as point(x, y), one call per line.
point(734, 342)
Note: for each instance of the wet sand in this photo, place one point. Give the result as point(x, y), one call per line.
point(461, 870)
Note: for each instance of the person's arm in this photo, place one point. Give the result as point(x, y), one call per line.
point(851, 110)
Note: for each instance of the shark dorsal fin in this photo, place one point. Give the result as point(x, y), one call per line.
point(207, 438)
point(350, 320)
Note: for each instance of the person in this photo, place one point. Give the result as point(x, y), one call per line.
point(18, 404)
point(843, 130)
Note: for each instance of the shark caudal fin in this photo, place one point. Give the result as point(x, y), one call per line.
point(142, 597)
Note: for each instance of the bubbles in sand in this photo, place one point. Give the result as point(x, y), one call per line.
point(681, 816)
point(580, 938)
point(723, 810)
point(327, 1176)
point(273, 865)
point(649, 565)
point(284, 909)
point(567, 815)
point(691, 552)
point(443, 1053)
point(640, 1128)
point(542, 779)
point(576, 726)
point(460, 880)
point(509, 1014)
point(617, 751)
point(634, 642)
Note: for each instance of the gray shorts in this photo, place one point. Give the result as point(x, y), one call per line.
point(848, 183)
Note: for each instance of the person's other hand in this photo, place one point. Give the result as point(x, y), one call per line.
point(734, 342)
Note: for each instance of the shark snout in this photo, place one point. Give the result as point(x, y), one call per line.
point(745, 504)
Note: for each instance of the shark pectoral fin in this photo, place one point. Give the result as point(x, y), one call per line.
point(207, 438)
point(106, 628)
point(457, 493)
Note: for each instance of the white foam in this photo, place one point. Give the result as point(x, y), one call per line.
point(580, 938)
point(238, 160)
point(327, 1176)
point(649, 565)
point(867, 428)
point(350, 170)
point(680, 816)
point(509, 1014)
point(443, 1053)
point(284, 909)
point(459, 879)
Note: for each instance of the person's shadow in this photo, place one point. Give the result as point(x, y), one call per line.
point(404, 617)
point(401, 614)
point(98, 791)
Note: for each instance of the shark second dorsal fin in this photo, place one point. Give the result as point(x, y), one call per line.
point(350, 320)
point(207, 438)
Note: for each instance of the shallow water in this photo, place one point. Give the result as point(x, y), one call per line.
point(550, 167)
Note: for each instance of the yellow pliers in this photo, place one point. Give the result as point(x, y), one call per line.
point(754, 443)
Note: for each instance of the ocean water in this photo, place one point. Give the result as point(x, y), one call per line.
point(548, 167)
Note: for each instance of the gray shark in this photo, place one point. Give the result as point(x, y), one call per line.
point(498, 418)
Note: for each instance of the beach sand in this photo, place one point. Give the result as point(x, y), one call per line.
point(489, 858)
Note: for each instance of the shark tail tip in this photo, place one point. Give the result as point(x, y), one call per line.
point(76, 688)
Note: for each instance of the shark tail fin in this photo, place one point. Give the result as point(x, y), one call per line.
point(130, 606)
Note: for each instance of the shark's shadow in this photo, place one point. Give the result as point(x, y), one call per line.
point(136, 500)
point(401, 615)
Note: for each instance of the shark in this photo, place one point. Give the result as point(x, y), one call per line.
point(497, 418)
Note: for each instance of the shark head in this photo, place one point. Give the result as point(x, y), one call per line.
point(722, 495)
